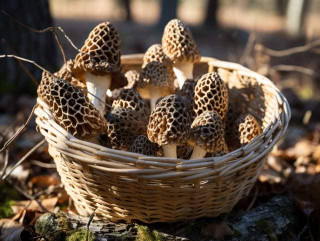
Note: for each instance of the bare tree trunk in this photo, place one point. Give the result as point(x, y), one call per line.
point(296, 12)
point(211, 15)
point(39, 47)
point(168, 12)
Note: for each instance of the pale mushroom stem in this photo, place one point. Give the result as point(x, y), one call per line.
point(198, 152)
point(155, 94)
point(183, 71)
point(170, 151)
point(97, 86)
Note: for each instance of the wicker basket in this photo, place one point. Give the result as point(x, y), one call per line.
point(126, 186)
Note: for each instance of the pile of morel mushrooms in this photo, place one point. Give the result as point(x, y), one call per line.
point(161, 111)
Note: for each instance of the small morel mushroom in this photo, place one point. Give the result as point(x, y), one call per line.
point(155, 81)
point(124, 125)
point(130, 99)
point(211, 94)
point(66, 72)
point(178, 44)
point(43, 87)
point(207, 135)
point(245, 128)
point(142, 145)
point(73, 110)
point(169, 124)
point(132, 78)
point(99, 59)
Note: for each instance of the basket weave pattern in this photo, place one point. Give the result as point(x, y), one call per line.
point(126, 186)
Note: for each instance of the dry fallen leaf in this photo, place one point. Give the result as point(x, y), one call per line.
point(13, 231)
point(216, 230)
point(33, 205)
point(44, 181)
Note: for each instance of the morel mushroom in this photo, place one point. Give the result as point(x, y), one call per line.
point(206, 134)
point(169, 124)
point(245, 128)
point(142, 145)
point(178, 44)
point(123, 126)
point(132, 78)
point(73, 110)
point(154, 80)
point(187, 92)
point(99, 58)
point(211, 94)
point(130, 99)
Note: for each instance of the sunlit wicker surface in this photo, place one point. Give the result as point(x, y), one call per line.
point(126, 186)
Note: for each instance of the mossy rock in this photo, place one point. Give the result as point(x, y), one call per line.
point(54, 226)
point(80, 235)
point(145, 234)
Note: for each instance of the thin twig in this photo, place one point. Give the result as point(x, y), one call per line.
point(286, 52)
point(5, 165)
point(43, 165)
point(23, 159)
point(21, 63)
point(88, 224)
point(255, 195)
point(19, 131)
point(51, 29)
point(295, 68)
point(248, 48)
point(26, 194)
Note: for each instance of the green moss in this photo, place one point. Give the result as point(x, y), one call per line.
point(145, 234)
point(5, 209)
point(265, 227)
point(53, 226)
point(80, 235)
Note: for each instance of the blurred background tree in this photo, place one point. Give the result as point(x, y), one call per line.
point(39, 47)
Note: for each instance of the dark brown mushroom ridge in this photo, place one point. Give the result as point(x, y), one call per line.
point(211, 94)
point(73, 110)
point(155, 53)
point(66, 73)
point(132, 78)
point(103, 51)
point(130, 99)
point(207, 131)
point(187, 92)
point(178, 43)
point(156, 74)
point(124, 125)
point(232, 115)
point(169, 122)
point(142, 145)
point(245, 128)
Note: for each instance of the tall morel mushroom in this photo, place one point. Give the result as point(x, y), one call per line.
point(211, 94)
point(169, 124)
point(207, 135)
point(73, 110)
point(178, 44)
point(99, 59)
point(155, 81)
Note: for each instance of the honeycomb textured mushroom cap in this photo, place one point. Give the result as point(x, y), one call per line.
point(245, 128)
point(67, 73)
point(124, 125)
point(211, 94)
point(155, 54)
point(178, 43)
point(142, 145)
point(73, 110)
point(132, 78)
point(169, 122)
point(155, 74)
point(44, 85)
point(207, 132)
point(223, 152)
point(130, 99)
point(100, 53)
